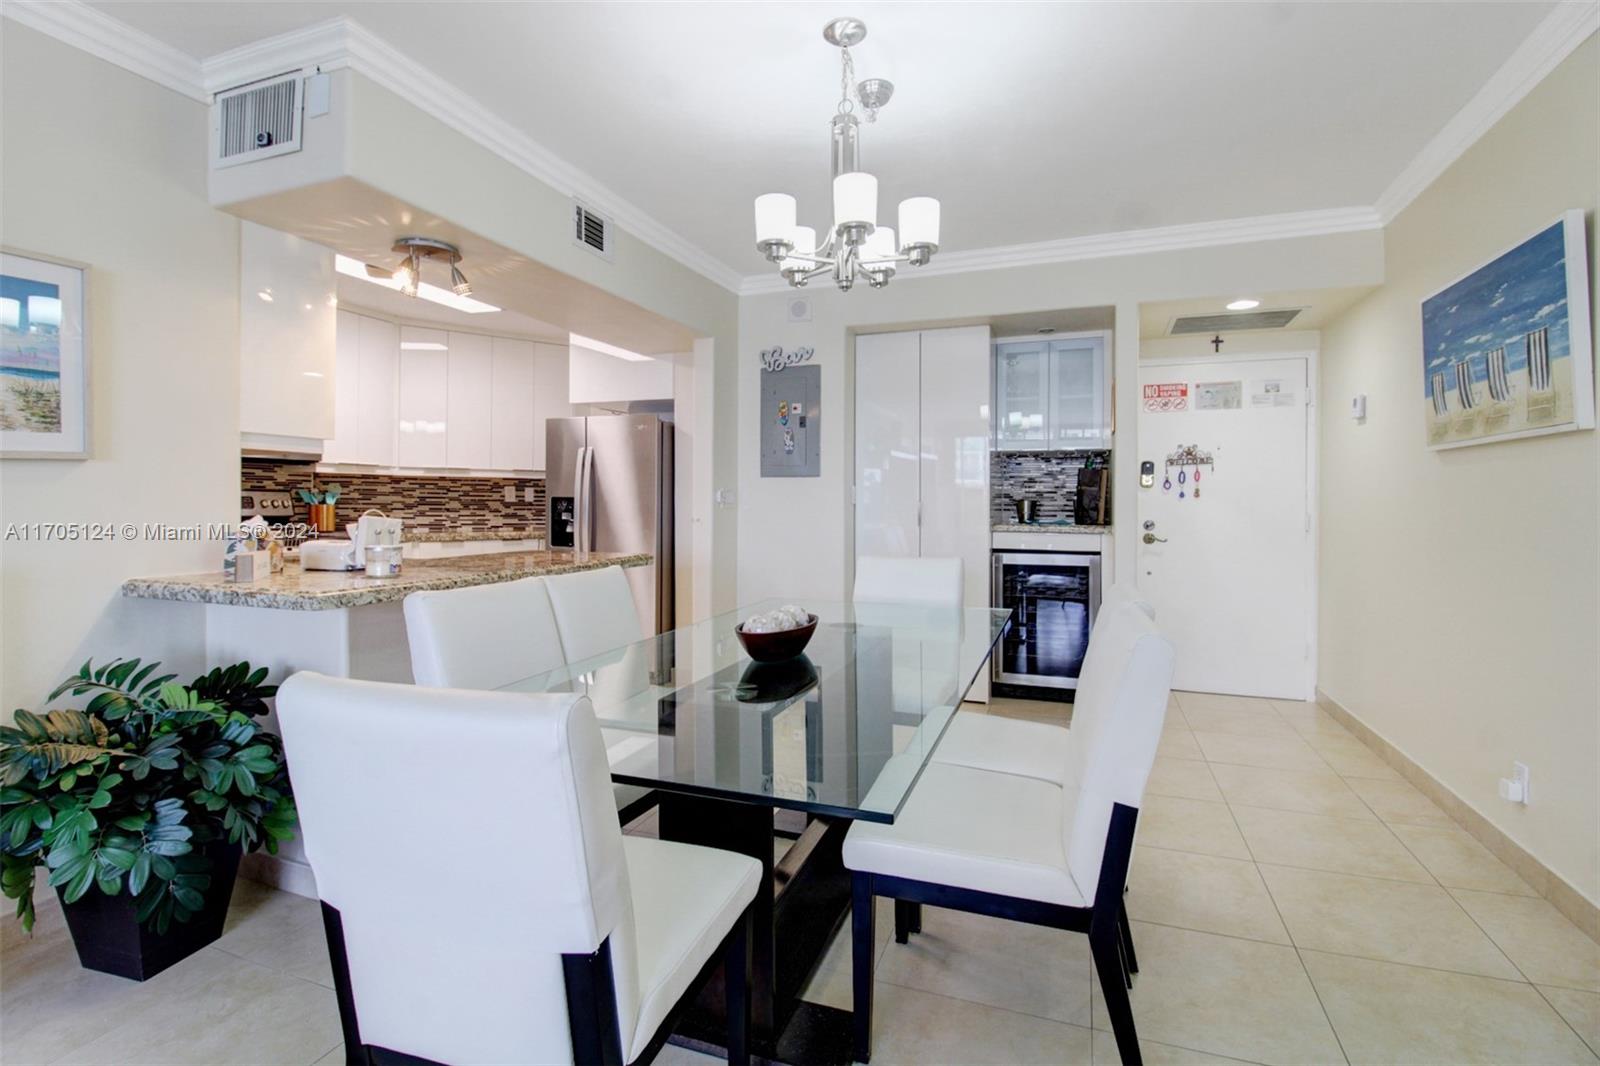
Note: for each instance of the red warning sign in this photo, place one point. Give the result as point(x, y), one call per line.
point(1172, 396)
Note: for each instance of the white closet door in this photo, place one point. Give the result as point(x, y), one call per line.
point(467, 399)
point(376, 399)
point(424, 405)
point(954, 445)
point(888, 435)
point(512, 416)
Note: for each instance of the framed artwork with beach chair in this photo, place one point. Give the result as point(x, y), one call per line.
point(1506, 349)
point(44, 358)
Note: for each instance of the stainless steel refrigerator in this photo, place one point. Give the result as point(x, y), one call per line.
point(609, 485)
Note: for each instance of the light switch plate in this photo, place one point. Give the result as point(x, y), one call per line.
point(527, 494)
point(509, 494)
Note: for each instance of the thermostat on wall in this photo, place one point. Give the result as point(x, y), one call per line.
point(1358, 406)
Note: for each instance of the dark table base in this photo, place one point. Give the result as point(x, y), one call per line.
point(800, 904)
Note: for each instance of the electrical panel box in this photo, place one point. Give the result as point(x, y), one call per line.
point(791, 430)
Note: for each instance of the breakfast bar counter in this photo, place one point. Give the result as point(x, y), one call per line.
point(295, 589)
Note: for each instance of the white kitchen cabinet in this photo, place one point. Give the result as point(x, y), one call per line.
point(287, 339)
point(922, 449)
point(424, 408)
point(511, 413)
point(469, 395)
point(378, 376)
point(888, 445)
point(552, 380)
point(345, 444)
point(604, 378)
point(1052, 394)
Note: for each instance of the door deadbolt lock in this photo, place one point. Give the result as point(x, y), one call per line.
point(1151, 538)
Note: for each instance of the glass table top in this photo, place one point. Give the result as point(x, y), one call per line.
point(844, 729)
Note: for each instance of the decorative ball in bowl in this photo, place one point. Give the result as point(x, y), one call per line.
point(775, 636)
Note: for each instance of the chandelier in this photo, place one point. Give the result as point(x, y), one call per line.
point(855, 244)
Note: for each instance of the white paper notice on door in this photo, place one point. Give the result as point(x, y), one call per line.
point(1271, 392)
point(1218, 395)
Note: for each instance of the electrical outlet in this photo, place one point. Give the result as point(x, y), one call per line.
point(509, 494)
point(1515, 787)
point(527, 494)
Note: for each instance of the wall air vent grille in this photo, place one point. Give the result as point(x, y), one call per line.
point(591, 230)
point(1233, 322)
point(256, 121)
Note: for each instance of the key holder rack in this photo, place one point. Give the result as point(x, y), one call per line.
point(1186, 457)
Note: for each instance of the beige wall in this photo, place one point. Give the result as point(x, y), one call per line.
point(1460, 590)
point(103, 167)
point(795, 536)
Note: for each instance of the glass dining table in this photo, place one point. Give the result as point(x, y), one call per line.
point(840, 732)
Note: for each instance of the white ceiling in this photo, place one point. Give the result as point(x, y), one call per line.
point(1030, 121)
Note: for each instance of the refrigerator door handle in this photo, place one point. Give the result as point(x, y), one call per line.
point(584, 538)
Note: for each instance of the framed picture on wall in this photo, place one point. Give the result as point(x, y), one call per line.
point(1506, 349)
point(44, 358)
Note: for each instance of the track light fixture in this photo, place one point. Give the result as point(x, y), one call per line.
point(415, 250)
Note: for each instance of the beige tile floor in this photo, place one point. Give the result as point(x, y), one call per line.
point(1292, 899)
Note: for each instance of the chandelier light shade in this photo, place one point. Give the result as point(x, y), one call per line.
point(854, 245)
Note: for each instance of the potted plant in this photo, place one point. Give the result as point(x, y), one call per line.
point(140, 806)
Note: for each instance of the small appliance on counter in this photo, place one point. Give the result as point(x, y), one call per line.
point(373, 530)
point(1091, 503)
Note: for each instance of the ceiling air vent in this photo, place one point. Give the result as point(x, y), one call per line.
point(591, 230)
point(256, 121)
point(1233, 322)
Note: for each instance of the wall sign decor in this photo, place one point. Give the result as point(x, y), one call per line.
point(1218, 395)
point(1171, 396)
point(776, 359)
point(44, 358)
point(1505, 349)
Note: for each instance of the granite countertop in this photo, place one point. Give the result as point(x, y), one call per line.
point(1041, 527)
point(455, 535)
point(319, 590)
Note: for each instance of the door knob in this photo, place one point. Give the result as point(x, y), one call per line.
point(1151, 538)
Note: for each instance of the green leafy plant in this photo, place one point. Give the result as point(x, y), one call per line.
point(126, 794)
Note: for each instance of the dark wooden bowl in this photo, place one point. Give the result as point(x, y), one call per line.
point(779, 646)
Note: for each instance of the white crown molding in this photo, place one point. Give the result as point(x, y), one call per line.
point(1555, 38)
point(92, 30)
point(1127, 242)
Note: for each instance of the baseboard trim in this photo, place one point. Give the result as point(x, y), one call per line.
point(282, 873)
point(1549, 884)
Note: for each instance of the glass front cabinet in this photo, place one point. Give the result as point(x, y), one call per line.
point(1052, 394)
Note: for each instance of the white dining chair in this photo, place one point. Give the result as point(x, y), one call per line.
point(931, 581)
point(1025, 849)
point(539, 933)
point(1036, 749)
point(490, 636)
point(483, 636)
point(594, 611)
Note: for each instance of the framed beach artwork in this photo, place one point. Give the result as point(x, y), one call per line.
point(44, 358)
point(1506, 350)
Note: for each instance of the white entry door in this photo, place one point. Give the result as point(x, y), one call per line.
point(1225, 546)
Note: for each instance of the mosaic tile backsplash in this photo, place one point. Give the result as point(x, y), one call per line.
point(430, 504)
point(1049, 477)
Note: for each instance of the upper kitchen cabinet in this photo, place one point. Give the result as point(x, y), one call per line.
point(552, 374)
point(1052, 395)
point(424, 397)
point(469, 436)
point(615, 375)
point(366, 373)
point(287, 341)
point(514, 442)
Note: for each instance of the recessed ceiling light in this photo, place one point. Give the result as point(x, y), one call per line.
point(265, 294)
point(423, 346)
point(1244, 305)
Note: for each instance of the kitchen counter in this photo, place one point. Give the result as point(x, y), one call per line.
point(295, 589)
point(448, 536)
point(1041, 527)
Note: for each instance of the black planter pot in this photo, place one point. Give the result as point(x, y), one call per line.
point(110, 939)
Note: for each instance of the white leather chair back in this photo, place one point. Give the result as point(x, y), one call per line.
point(468, 839)
point(485, 636)
point(931, 581)
point(594, 611)
point(1121, 707)
point(1125, 592)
